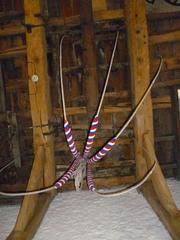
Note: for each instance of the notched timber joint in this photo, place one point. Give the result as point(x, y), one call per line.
point(29, 27)
point(51, 128)
point(41, 126)
point(48, 133)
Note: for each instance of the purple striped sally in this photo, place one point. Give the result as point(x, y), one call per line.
point(68, 173)
point(70, 139)
point(103, 152)
point(90, 181)
point(91, 135)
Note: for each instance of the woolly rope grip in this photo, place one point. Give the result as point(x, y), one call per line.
point(90, 181)
point(91, 135)
point(68, 174)
point(98, 156)
point(70, 139)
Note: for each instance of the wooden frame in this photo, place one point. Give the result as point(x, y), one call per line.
point(43, 171)
point(155, 190)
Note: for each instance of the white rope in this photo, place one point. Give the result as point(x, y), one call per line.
point(141, 101)
point(18, 194)
point(108, 74)
point(129, 188)
point(58, 85)
point(144, 179)
point(7, 165)
point(61, 77)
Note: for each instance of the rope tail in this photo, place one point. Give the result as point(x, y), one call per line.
point(94, 123)
point(91, 136)
point(103, 151)
point(89, 175)
point(70, 139)
point(129, 188)
point(108, 146)
point(67, 127)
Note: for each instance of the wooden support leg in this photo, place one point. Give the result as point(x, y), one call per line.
point(159, 183)
point(33, 207)
point(43, 171)
point(159, 196)
point(155, 191)
point(35, 182)
point(171, 222)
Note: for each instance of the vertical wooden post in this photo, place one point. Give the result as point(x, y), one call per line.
point(89, 54)
point(43, 170)
point(2, 93)
point(140, 76)
point(156, 191)
point(14, 136)
point(176, 120)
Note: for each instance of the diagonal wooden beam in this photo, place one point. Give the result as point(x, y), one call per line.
point(159, 196)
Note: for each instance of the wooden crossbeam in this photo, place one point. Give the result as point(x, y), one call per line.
point(12, 52)
point(173, 36)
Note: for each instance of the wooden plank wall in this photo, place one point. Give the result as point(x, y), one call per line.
point(164, 122)
point(119, 166)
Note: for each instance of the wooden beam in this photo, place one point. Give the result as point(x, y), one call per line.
point(159, 196)
point(162, 15)
point(13, 52)
point(170, 221)
point(160, 186)
point(107, 15)
point(43, 171)
point(104, 164)
point(170, 63)
point(40, 210)
point(103, 182)
point(139, 64)
point(135, 15)
point(165, 37)
point(2, 92)
point(99, 5)
point(89, 54)
point(71, 111)
point(165, 138)
point(14, 138)
point(98, 143)
point(14, 85)
point(158, 103)
point(12, 29)
point(100, 15)
point(176, 125)
point(103, 15)
point(167, 83)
